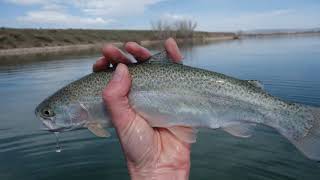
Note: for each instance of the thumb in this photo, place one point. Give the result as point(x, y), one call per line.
point(116, 99)
point(135, 134)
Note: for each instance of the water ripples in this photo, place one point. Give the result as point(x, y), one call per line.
point(28, 153)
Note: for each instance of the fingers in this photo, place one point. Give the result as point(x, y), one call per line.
point(100, 65)
point(113, 55)
point(173, 50)
point(137, 51)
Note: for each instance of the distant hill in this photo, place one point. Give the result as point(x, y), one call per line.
point(282, 31)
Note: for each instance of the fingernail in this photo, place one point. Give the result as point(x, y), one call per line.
point(131, 58)
point(145, 53)
point(117, 74)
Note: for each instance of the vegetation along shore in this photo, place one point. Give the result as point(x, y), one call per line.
point(34, 41)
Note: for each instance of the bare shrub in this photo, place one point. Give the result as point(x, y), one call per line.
point(183, 28)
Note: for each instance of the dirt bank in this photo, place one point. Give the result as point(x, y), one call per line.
point(94, 46)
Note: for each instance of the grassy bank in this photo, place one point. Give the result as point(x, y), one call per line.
point(31, 38)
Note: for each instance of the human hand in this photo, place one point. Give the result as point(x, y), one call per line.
point(151, 153)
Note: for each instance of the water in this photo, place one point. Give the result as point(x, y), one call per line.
point(288, 67)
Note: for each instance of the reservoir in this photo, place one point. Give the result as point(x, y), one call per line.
point(288, 67)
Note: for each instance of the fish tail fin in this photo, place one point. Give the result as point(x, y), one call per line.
point(309, 144)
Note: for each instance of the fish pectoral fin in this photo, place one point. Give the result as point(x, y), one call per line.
point(78, 112)
point(98, 130)
point(185, 134)
point(243, 130)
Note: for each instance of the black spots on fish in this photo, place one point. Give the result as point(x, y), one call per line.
point(213, 85)
point(228, 86)
point(286, 113)
point(56, 98)
point(295, 136)
point(295, 107)
point(283, 105)
point(240, 93)
point(171, 72)
point(315, 117)
point(163, 69)
point(297, 120)
point(91, 83)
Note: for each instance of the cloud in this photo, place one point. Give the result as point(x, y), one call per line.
point(280, 12)
point(27, 2)
point(60, 19)
point(55, 7)
point(171, 16)
point(89, 13)
point(96, 7)
point(114, 7)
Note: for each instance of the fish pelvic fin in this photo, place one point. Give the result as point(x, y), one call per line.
point(242, 130)
point(309, 144)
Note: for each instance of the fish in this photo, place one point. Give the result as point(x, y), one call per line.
point(172, 95)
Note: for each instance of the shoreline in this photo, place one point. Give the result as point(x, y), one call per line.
point(96, 46)
point(279, 34)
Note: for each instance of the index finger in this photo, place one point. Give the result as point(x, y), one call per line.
point(173, 50)
point(139, 52)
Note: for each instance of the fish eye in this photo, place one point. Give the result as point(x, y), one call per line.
point(47, 113)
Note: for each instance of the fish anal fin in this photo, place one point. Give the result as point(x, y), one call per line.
point(243, 130)
point(185, 134)
point(98, 130)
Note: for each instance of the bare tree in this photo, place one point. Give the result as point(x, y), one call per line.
point(183, 28)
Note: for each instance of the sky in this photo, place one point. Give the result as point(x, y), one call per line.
point(210, 15)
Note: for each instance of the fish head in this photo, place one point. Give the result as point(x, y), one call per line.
point(58, 117)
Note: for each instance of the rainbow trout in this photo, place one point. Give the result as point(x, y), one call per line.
point(170, 95)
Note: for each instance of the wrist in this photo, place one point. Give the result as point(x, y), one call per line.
point(159, 174)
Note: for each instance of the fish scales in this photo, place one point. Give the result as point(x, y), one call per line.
point(170, 94)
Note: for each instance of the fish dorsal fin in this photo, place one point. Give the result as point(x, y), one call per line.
point(185, 134)
point(97, 129)
point(256, 83)
point(243, 130)
point(161, 57)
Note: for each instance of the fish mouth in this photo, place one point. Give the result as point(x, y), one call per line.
point(48, 125)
